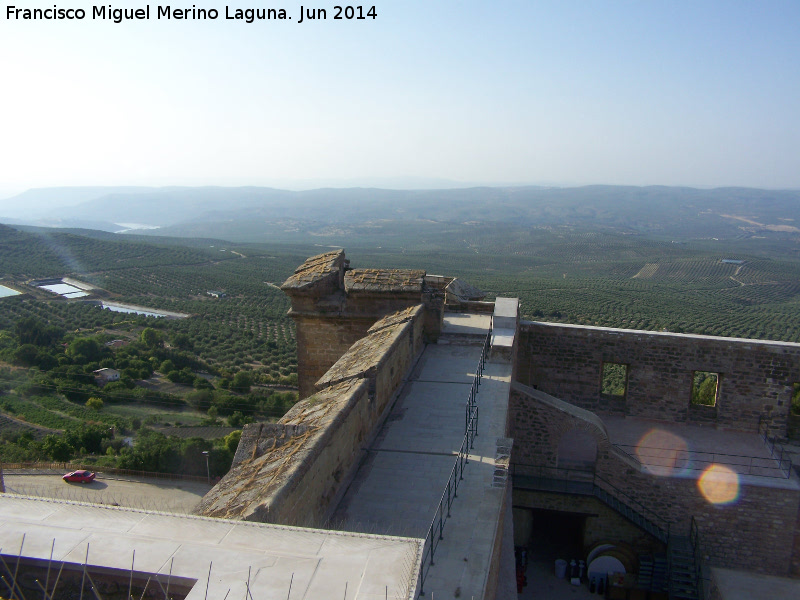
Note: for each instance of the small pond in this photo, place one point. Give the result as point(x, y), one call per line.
point(5, 292)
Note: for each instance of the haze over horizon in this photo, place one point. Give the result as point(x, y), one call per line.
point(699, 94)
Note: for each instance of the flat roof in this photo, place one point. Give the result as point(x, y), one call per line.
point(316, 563)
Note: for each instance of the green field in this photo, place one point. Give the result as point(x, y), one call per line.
point(50, 346)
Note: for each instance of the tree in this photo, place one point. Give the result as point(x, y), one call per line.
point(85, 350)
point(26, 355)
point(232, 440)
point(151, 338)
point(32, 331)
point(95, 404)
point(704, 388)
point(56, 448)
point(236, 419)
point(182, 341)
point(201, 399)
point(241, 382)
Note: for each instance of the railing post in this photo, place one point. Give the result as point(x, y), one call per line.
point(448, 498)
point(430, 535)
point(441, 524)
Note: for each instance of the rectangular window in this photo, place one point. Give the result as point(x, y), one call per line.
point(615, 379)
point(705, 388)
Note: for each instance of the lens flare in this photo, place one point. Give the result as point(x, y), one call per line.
point(662, 453)
point(719, 484)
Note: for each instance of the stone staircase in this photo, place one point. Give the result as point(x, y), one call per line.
point(680, 565)
point(636, 517)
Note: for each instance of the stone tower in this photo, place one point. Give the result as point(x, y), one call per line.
point(333, 306)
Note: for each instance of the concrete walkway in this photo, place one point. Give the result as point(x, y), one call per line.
point(398, 487)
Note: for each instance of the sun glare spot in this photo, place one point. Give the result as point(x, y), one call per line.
point(719, 484)
point(662, 452)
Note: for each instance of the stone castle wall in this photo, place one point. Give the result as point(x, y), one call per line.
point(334, 306)
point(755, 532)
point(320, 343)
point(756, 376)
point(294, 472)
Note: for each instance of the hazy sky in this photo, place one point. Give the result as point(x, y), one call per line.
point(675, 93)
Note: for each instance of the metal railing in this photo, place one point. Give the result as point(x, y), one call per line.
point(776, 450)
point(442, 513)
point(589, 483)
point(694, 540)
point(664, 461)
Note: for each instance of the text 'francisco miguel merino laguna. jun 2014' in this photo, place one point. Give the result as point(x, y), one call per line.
point(167, 12)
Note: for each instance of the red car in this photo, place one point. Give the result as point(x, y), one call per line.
point(79, 477)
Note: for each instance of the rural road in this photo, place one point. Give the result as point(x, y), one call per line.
point(117, 490)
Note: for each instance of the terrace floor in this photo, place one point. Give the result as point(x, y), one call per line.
point(675, 449)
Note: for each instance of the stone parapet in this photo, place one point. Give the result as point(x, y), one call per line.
point(290, 472)
point(383, 356)
point(293, 472)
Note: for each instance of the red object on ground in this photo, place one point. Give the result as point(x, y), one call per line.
point(79, 477)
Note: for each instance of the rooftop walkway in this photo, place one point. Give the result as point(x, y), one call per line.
point(398, 487)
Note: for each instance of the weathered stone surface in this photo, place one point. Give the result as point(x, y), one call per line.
point(317, 274)
point(365, 355)
point(289, 472)
point(386, 281)
point(401, 316)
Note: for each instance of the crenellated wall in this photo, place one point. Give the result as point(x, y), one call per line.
point(756, 376)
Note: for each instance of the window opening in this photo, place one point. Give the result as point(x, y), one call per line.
point(705, 388)
point(615, 379)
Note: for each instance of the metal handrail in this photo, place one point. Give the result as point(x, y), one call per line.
point(695, 460)
point(442, 513)
point(656, 519)
point(694, 540)
point(587, 482)
point(771, 444)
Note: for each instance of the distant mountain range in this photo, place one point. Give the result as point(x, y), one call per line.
point(251, 213)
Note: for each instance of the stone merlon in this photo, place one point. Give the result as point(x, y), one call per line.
point(319, 274)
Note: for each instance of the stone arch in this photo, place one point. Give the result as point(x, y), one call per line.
point(577, 449)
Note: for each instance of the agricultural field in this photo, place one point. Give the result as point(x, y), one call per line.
point(219, 365)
